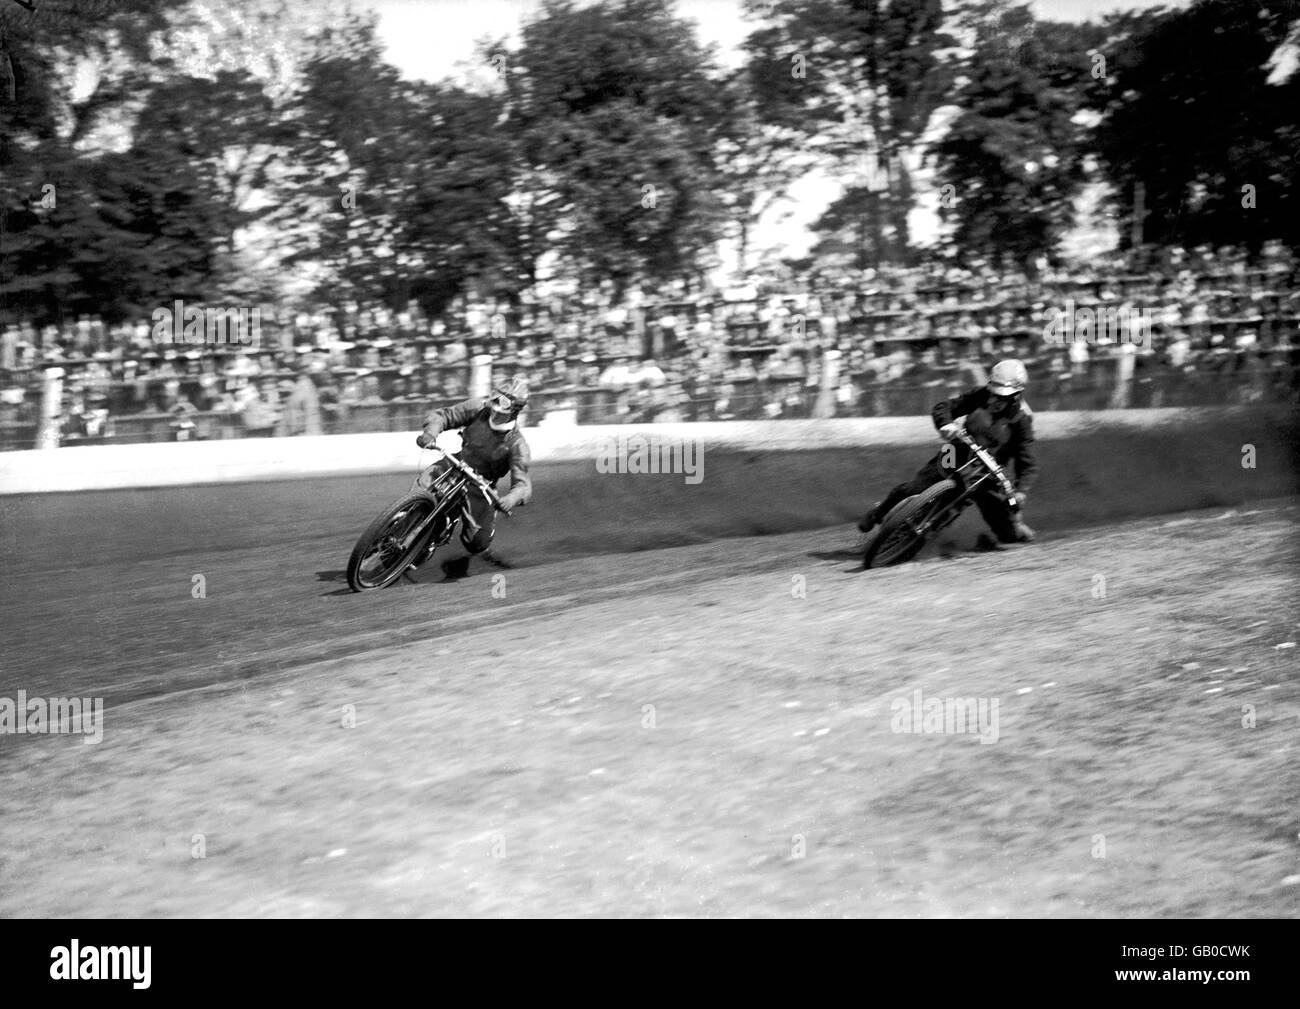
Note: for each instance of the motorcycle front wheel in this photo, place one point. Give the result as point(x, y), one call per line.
point(394, 541)
point(909, 526)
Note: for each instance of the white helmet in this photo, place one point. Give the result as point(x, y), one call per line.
point(1008, 378)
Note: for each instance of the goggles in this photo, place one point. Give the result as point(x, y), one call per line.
point(503, 402)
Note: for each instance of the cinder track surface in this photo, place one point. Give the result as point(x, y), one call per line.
point(704, 730)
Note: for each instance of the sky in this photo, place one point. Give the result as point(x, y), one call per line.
point(427, 38)
point(435, 39)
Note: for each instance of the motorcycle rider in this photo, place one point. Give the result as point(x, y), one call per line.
point(998, 419)
point(492, 445)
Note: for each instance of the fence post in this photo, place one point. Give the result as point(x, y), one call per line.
point(47, 431)
point(825, 405)
point(480, 376)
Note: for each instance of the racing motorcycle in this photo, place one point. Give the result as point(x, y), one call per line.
point(912, 523)
point(407, 532)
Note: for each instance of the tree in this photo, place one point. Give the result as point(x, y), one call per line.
point(1194, 117)
point(849, 230)
point(619, 112)
point(50, 222)
point(1013, 154)
point(859, 78)
point(769, 147)
point(407, 186)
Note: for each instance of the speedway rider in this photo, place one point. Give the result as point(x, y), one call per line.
point(492, 445)
point(997, 418)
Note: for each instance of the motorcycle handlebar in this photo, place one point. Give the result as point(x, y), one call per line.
point(991, 464)
point(463, 468)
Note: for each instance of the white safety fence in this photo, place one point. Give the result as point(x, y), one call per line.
point(172, 464)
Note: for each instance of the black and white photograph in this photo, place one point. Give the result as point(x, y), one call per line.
point(651, 459)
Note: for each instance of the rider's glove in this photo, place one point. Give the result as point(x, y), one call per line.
point(949, 431)
point(426, 440)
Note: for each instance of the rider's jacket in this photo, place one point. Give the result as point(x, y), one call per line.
point(491, 453)
point(1010, 437)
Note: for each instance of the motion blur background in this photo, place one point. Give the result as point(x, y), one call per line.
point(653, 211)
point(679, 699)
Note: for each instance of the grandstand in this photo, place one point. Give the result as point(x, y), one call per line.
point(1222, 331)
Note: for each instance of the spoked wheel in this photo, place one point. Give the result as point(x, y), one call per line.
point(394, 541)
point(908, 526)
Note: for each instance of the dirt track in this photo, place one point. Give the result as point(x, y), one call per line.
point(663, 732)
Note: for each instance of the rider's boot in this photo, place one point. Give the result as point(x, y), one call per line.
point(1023, 533)
point(494, 560)
point(870, 520)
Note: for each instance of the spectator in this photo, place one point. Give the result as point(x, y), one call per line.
point(182, 422)
point(645, 373)
point(302, 411)
point(259, 417)
point(1218, 325)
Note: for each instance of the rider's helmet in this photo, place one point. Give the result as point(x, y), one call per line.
point(507, 401)
point(1008, 378)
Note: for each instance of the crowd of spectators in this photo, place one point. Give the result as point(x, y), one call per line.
point(1219, 330)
